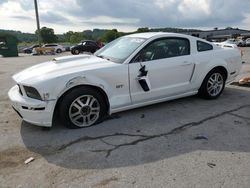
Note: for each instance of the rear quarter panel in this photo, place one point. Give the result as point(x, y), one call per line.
point(205, 61)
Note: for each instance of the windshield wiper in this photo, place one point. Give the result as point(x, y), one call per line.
point(103, 57)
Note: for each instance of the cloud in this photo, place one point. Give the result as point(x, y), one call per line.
point(105, 20)
point(21, 17)
point(66, 15)
point(51, 17)
point(3, 1)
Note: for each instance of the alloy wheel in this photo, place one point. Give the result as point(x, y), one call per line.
point(84, 111)
point(215, 84)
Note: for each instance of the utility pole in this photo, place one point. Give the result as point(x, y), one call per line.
point(37, 23)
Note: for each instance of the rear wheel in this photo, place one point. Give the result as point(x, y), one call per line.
point(59, 51)
point(82, 107)
point(213, 84)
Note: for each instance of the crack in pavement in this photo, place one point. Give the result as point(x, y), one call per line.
point(143, 137)
point(239, 116)
point(88, 138)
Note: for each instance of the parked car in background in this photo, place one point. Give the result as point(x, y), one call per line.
point(67, 48)
point(247, 42)
point(231, 43)
point(227, 45)
point(29, 49)
point(240, 42)
point(85, 46)
point(58, 48)
point(130, 72)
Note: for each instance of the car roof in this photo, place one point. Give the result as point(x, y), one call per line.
point(155, 34)
point(166, 34)
point(87, 41)
point(51, 44)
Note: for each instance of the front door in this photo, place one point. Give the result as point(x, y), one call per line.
point(170, 67)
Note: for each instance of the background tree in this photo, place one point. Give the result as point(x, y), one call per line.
point(143, 30)
point(48, 35)
point(67, 36)
point(76, 37)
point(110, 35)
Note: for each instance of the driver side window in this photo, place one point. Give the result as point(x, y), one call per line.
point(164, 48)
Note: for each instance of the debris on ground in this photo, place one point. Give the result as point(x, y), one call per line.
point(201, 137)
point(29, 160)
point(237, 122)
point(245, 81)
point(211, 165)
point(142, 116)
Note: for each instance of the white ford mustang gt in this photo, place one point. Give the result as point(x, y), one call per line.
point(130, 72)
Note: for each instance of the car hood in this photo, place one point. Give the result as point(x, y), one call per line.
point(61, 66)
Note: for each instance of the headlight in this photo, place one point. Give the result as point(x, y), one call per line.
point(32, 92)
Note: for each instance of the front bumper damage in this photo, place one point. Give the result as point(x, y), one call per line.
point(34, 111)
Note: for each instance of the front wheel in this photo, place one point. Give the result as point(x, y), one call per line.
point(213, 85)
point(82, 107)
point(76, 51)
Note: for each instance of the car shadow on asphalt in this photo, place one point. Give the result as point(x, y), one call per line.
point(149, 134)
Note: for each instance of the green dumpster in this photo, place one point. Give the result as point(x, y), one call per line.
point(8, 45)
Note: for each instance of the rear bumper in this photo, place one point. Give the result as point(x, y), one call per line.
point(31, 110)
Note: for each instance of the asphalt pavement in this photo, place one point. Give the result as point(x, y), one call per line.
point(189, 142)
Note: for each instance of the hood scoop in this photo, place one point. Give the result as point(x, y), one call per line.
point(70, 58)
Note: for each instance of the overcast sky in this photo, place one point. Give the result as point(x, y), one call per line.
point(127, 15)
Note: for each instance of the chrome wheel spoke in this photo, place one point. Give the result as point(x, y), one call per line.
point(220, 82)
point(75, 114)
point(92, 102)
point(94, 113)
point(216, 77)
point(88, 118)
point(85, 122)
point(210, 81)
point(210, 89)
point(88, 101)
point(95, 109)
point(77, 117)
point(80, 103)
point(77, 106)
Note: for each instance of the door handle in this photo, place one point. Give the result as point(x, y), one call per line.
point(186, 63)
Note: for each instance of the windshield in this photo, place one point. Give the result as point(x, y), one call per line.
point(120, 49)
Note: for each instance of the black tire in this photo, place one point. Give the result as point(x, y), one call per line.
point(76, 51)
point(58, 51)
point(204, 89)
point(69, 99)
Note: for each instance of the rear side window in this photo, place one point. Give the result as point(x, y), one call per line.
point(203, 46)
point(90, 43)
point(164, 48)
